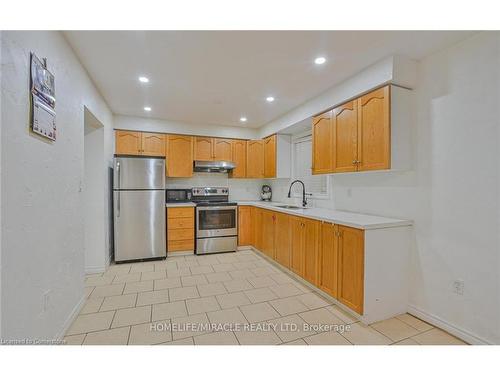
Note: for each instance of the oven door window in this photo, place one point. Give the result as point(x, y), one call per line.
point(217, 219)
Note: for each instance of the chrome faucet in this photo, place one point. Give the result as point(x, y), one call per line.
point(304, 201)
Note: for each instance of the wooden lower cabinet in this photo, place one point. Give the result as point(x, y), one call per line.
point(257, 227)
point(245, 227)
point(282, 239)
point(310, 233)
point(296, 248)
point(328, 259)
point(351, 267)
point(180, 234)
point(304, 248)
point(267, 230)
point(329, 256)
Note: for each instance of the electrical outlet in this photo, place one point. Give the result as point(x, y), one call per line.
point(458, 287)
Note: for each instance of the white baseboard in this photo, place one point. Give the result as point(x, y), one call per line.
point(245, 247)
point(94, 269)
point(461, 333)
point(72, 316)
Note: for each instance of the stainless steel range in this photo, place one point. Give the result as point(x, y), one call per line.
point(216, 220)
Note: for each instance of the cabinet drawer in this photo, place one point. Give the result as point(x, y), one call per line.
point(175, 212)
point(177, 245)
point(180, 234)
point(180, 223)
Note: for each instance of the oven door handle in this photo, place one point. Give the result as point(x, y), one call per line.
point(213, 208)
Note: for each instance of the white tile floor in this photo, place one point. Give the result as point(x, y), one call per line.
point(225, 299)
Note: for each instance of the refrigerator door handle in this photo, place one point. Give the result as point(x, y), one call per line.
point(119, 185)
point(118, 203)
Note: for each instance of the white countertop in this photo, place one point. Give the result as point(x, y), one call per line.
point(180, 204)
point(346, 218)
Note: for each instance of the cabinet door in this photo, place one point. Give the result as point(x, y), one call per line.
point(351, 267)
point(257, 226)
point(245, 229)
point(203, 148)
point(268, 219)
point(345, 137)
point(180, 156)
point(282, 239)
point(374, 139)
point(239, 158)
point(311, 237)
point(153, 144)
point(328, 259)
point(270, 156)
point(255, 159)
point(322, 143)
point(223, 149)
point(127, 143)
point(297, 246)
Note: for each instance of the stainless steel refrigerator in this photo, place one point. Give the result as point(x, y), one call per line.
point(139, 208)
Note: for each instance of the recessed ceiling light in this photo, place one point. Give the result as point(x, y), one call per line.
point(270, 99)
point(147, 109)
point(243, 119)
point(144, 79)
point(319, 60)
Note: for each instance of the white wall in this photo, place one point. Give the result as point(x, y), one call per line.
point(42, 220)
point(453, 193)
point(163, 126)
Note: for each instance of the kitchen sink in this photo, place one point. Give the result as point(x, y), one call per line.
point(290, 207)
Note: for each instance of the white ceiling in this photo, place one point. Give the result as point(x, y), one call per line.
point(215, 77)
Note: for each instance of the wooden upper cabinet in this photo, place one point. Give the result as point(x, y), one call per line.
point(255, 158)
point(282, 239)
point(179, 151)
point(245, 227)
point(127, 142)
point(351, 250)
point(153, 144)
point(328, 259)
point(239, 153)
point(223, 149)
point(374, 130)
point(345, 137)
point(203, 148)
point(270, 156)
point(322, 143)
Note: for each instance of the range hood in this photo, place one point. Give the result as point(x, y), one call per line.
point(218, 166)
